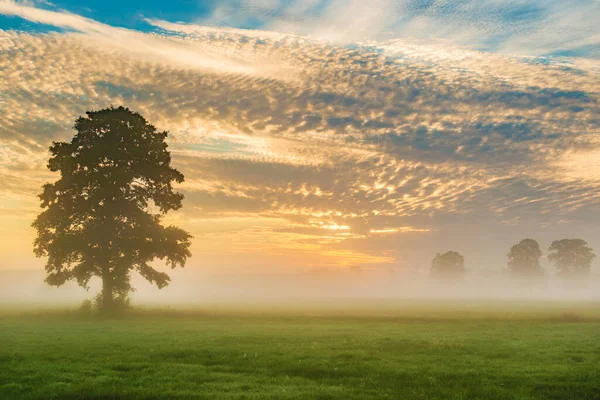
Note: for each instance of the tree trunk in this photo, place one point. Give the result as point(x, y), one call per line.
point(108, 301)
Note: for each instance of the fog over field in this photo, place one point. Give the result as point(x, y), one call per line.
point(317, 290)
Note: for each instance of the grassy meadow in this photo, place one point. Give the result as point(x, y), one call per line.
point(414, 351)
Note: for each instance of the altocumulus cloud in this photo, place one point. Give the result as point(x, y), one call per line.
point(520, 26)
point(335, 152)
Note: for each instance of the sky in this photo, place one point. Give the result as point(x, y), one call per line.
point(323, 134)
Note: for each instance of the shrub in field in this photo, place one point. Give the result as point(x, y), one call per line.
point(86, 307)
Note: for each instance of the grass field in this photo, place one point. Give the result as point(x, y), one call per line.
point(423, 352)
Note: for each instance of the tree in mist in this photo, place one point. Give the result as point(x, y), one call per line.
point(103, 216)
point(450, 265)
point(524, 259)
point(572, 257)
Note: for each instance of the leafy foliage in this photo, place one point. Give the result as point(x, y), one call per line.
point(572, 257)
point(524, 258)
point(448, 265)
point(98, 218)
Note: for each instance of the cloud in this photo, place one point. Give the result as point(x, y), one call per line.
point(153, 48)
point(512, 26)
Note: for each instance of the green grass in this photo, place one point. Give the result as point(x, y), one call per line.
point(412, 353)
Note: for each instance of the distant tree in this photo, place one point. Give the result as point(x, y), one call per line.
point(450, 265)
point(524, 259)
point(102, 217)
point(572, 257)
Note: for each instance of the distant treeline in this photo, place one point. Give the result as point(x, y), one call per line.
point(571, 257)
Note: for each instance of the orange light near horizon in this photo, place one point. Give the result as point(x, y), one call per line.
point(336, 227)
point(401, 229)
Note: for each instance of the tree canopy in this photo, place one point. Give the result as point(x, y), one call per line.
point(448, 265)
point(103, 216)
point(524, 258)
point(572, 257)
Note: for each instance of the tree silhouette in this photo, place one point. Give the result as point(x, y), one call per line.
point(450, 265)
point(524, 259)
point(572, 257)
point(103, 216)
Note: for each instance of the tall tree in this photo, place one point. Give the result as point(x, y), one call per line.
point(450, 265)
point(102, 217)
point(572, 257)
point(524, 259)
